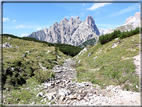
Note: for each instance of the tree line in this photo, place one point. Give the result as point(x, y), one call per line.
point(117, 34)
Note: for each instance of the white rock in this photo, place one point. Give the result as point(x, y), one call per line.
point(79, 61)
point(33, 103)
point(40, 94)
point(47, 84)
point(63, 92)
point(50, 96)
point(95, 57)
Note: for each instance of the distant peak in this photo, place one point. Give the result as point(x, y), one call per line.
point(137, 15)
point(65, 19)
point(89, 16)
point(71, 18)
point(77, 17)
point(90, 19)
point(55, 23)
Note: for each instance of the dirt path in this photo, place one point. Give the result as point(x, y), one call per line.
point(137, 64)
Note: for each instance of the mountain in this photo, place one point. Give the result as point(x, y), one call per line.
point(131, 23)
point(73, 31)
point(104, 31)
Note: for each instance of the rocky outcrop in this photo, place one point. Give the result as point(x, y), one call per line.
point(130, 23)
point(72, 31)
point(7, 45)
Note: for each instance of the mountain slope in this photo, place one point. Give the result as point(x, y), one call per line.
point(110, 64)
point(73, 31)
point(130, 23)
point(89, 42)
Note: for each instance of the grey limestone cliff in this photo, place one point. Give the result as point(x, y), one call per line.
point(72, 31)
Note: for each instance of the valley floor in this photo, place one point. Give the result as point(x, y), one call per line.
point(66, 90)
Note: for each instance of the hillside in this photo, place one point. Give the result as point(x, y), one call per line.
point(39, 73)
point(110, 64)
point(65, 48)
point(25, 62)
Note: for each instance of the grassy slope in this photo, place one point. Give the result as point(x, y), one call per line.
point(24, 95)
point(113, 68)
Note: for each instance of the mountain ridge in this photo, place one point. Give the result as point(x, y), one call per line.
point(72, 31)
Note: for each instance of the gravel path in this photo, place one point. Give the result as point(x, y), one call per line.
point(63, 91)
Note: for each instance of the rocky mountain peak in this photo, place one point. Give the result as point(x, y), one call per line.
point(72, 31)
point(65, 19)
point(78, 21)
point(71, 21)
point(55, 24)
point(137, 15)
point(45, 31)
point(77, 17)
point(90, 20)
point(134, 19)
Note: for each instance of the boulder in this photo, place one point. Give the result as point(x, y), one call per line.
point(24, 55)
point(89, 54)
point(7, 45)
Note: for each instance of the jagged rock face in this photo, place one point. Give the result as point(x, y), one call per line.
point(72, 31)
point(86, 30)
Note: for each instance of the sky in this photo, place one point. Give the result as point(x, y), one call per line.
point(21, 19)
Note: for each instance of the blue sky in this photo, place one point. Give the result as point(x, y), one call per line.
point(22, 19)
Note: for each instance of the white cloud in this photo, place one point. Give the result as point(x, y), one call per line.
point(13, 20)
point(22, 26)
point(24, 35)
point(83, 4)
point(123, 11)
point(97, 5)
point(6, 19)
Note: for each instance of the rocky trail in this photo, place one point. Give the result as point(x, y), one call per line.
point(62, 90)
